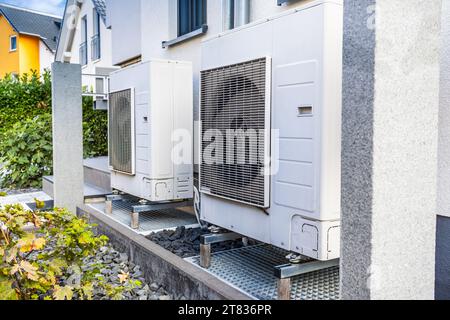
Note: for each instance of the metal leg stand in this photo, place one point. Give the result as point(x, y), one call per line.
point(209, 239)
point(149, 207)
point(205, 256)
point(110, 199)
point(284, 289)
point(286, 272)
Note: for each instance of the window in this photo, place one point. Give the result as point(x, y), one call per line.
point(95, 41)
point(83, 45)
point(13, 43)
point(191, 15)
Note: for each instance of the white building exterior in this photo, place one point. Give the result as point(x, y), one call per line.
point(140, 37)
point(86, 40)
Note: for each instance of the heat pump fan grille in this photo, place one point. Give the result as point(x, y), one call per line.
point(121, 131)
point(234, 118)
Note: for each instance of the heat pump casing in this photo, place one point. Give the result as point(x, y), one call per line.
point(162, 119)
point(303, 50)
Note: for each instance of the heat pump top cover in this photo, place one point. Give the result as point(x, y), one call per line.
point(121, 132)
point(235, 122)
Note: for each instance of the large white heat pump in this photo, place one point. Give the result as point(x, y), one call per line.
point(150, 121)
point(271, 90)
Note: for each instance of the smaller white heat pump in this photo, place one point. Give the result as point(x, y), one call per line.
point(271, 129)
point(150, 130)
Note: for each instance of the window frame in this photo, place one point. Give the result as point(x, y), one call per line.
point(96, 35)
point(84, 41)
point(96, 23)
point(194, 22)
point(11, 49)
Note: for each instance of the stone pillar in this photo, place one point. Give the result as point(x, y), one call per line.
point(67, 136)
point(390, 142)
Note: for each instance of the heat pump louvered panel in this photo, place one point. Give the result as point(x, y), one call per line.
point(234, 103)
point(121, 135)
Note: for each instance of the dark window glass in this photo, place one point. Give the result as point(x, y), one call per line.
point(191, 15)
point(83, 45)
point(13, 43)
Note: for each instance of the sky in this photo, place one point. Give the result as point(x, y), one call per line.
point(47, 6)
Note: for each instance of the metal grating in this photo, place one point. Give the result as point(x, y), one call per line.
point(148, 221)
point(121, 131)
point(234, 115)
point(251, 270)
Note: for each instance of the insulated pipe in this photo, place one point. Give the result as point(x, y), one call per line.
point(241, 12)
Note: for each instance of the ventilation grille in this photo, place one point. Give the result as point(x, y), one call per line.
point(121, 135)
point(234, 104)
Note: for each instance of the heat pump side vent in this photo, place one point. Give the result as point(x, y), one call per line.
point(121, 131)
point(235, 99)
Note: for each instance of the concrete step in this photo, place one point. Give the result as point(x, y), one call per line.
point(90, 191)
point(97, 179)
point(97, 174)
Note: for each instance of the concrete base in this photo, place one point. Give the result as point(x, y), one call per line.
point(443, 259)
point(159, 265)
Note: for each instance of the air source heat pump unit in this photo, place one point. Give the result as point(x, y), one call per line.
point(150, 113)
point(272, 90)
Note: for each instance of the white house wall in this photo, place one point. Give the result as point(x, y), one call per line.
point(46, 57)
point(125, 17)
point(159, 23)
point(105, 60)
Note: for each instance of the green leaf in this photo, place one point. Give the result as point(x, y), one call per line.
point(63, 293)
point(7, 292)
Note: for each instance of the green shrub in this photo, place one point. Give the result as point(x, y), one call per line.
point(26, 153)
point(95, 130)
point(24, 98)
point(25, 130)
point(40, 249)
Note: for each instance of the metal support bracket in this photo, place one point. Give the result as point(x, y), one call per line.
point(136, 210)
point(114, 197)
point(209, 239)
point(286, 272)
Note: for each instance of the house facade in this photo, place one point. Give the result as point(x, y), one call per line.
point(86, 40)
point(27, 40)
point(175, 29)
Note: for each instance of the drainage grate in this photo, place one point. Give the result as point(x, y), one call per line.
point(149, 222)
point(251, 270)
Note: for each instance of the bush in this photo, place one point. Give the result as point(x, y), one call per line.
point(38, 263)
point(25, 130)
point(26, 153)
point(24, 98)
point(95, 130)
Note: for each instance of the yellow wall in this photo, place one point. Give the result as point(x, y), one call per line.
point(25, 59)
point(9, 61)
point(28, 54)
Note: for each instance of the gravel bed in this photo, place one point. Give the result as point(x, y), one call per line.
point(185, 243)
point(116, 263)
